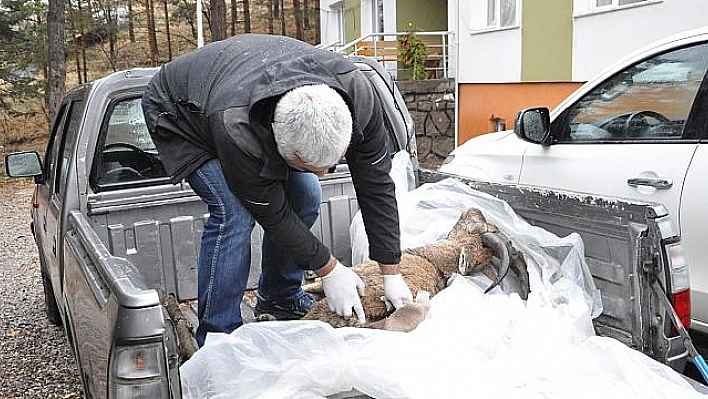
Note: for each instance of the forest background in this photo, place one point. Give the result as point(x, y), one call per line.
point(49, 47)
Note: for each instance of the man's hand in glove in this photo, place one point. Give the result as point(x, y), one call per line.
point(342, 288)
point(396, 291)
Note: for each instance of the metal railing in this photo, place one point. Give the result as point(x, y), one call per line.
point(384, 47)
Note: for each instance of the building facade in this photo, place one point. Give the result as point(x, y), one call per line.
point(513, 54)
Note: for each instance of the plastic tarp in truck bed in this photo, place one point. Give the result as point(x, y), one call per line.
point(470, 345)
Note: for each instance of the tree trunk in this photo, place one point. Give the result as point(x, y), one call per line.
point(317, 38)
point(234, 16)
point(217, 11)
point(56, 25)
point(74, 22)
point(299, 30)
point(246, 16)
point(131, 26)
point(111, 21)
point(271, 16)
point(152, 35)
point(306, 13)
point(282, 18)
point(82, 30)
point(167, 31)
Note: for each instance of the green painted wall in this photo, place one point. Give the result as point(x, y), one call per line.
point(547, 40)
point(421, 15)
point(352, 20)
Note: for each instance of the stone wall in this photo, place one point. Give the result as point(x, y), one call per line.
point(431, 104)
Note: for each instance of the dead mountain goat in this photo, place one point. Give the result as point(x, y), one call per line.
point(472, 245)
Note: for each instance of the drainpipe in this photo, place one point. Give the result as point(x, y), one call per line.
point(457, 73)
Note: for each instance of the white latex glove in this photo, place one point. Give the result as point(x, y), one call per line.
point(396, 291)
point(343, 287)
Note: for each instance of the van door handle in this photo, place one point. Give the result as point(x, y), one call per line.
point(659, 183)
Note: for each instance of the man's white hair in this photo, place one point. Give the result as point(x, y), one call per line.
point(314, 123)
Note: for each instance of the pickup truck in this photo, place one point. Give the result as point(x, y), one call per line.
point(118, 242)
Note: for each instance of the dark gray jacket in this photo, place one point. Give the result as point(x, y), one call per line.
point(218, 102)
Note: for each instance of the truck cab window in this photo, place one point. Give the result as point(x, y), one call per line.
point(51, 155)
point(649, 101)
point(126, 155)
point(67, 145)
point(61, 146)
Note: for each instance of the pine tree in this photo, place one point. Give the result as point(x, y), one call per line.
point(23, 51)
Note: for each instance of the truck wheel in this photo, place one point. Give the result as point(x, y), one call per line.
point(50, 303)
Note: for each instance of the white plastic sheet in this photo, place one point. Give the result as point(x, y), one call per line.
point(470, 345)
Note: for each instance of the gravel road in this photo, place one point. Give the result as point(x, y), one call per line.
point(35, 358)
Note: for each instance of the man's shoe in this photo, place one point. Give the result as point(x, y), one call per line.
point(292, 308)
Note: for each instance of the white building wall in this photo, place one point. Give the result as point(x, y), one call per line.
point(485, 56)
point(603, 38)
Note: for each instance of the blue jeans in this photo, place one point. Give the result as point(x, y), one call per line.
point(225, 253)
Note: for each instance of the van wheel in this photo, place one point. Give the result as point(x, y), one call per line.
point(50, 303)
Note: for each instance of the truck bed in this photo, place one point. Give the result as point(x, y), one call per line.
point(158, 230)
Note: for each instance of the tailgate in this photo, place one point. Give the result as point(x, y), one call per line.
point(623, 248)
point(107, 305)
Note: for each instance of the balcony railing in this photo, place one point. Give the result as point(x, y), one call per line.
point(384, 47)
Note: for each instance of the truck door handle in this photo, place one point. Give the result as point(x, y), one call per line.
point(656, 182)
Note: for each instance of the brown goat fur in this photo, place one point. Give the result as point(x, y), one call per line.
point(424, 268)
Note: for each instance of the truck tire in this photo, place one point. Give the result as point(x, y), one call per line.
point(50, 303)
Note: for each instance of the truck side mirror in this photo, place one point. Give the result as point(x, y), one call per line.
point(24, 164)
point(533, 125)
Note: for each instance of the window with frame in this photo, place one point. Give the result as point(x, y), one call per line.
point(126, 154)
point(599, 4)
point(501, 13)
point(649, 101)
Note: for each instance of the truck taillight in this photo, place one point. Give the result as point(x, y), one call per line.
point(139, 371)
point(680, 283)
point(682, 305)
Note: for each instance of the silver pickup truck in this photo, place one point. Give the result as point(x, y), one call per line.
point(118, 243)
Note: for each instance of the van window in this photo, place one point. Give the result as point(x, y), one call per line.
point(126, 155)
point(649, 101)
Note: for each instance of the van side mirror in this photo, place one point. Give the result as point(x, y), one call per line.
point(534, 125)
point(24, 164)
